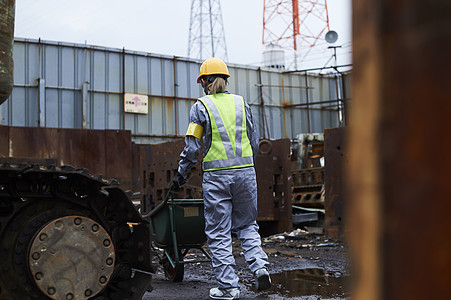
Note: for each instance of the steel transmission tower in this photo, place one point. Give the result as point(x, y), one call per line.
point(296, 25)
point(206, 30)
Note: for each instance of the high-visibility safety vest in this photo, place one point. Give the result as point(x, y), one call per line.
point(230, 146)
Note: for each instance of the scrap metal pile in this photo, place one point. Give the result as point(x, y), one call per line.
point(308, 178)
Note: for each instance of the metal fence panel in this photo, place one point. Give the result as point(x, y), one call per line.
point(297, 94)
point(183, 86)
point(17, 112)
point(114, 79)
point(299, 120)
point(157, 115)
point(114, 111)
point(253, 97)
point(195, 88)
point(98, 113)
point(4, 113)
point(141, 77)
point(65, 85)
point(67, 106)
point(50, 69)
point(129, 73)
point(68, 67)
point(168, 76)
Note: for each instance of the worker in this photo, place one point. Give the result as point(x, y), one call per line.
point(230, 145)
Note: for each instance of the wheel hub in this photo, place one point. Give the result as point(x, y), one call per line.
point(72, 257)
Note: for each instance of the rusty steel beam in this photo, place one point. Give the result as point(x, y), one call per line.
point(399, 150)
point(335, 157)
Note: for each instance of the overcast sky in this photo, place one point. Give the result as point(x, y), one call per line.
point(161, 26)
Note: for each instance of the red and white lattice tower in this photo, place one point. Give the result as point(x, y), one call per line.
point(296, 25)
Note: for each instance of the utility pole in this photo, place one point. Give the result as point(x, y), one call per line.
point(206, 30)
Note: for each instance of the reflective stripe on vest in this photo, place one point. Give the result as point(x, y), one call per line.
point(221, 154)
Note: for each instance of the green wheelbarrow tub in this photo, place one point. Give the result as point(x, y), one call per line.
point(188, 223)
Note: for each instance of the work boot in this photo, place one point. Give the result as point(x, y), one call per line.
point(226, 294)
point(262, 280)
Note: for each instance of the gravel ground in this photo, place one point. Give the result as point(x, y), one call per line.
point(302, 266)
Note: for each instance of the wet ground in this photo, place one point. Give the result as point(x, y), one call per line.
point(302, 266)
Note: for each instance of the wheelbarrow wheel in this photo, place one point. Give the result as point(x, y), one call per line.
point(174, 274)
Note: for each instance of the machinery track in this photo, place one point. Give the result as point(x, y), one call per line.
point(65, 234)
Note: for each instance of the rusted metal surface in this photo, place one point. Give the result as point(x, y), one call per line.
point(4, 141)
point(105, 152)
point(7, 9)
point(334, 153)
point(158, 164)
point(118, 157)
point(33, 142)
point(83, 148)
point(273, 168)
point(72, 258)
point(308, 177)
point(399, 150)
point(148, 169)
point(308, 187)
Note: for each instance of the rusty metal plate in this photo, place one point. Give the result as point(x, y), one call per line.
point(4, 138)
point(334, 143)
point(118, 157)
point(33, 142)
point(83, 149)
point(158, 165)
point(106, 152)
point(72, 258)
point(273, 168)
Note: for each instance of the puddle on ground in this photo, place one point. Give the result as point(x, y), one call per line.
point(309, 282)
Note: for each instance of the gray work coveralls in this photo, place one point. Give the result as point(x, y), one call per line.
point(230, 199)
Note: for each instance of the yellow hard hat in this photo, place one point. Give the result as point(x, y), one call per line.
point(213, 66)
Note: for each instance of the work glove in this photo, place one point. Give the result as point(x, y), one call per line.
point(178, 181)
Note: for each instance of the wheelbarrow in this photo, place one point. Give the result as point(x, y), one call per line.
point(178, 226)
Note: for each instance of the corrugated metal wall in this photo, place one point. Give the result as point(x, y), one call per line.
point(65, 85)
